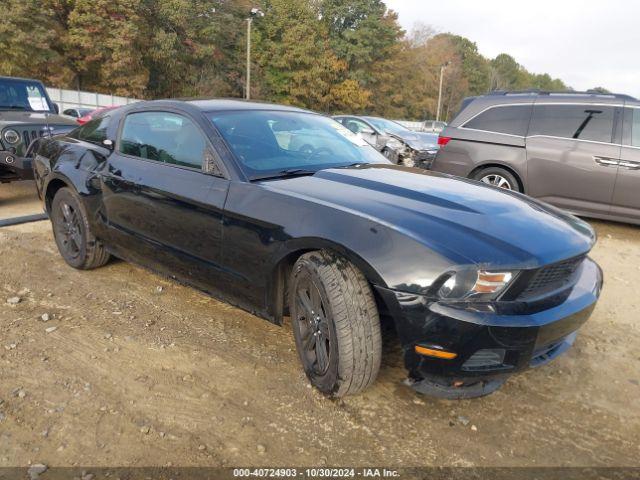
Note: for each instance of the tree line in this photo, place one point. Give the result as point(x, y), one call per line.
point(327, 55)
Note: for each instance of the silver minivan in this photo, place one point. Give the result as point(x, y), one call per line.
point(577, 151)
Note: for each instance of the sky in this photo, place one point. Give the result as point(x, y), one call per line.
point(585, 43)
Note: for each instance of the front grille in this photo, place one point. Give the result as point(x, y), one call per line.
point(551, 278)
point(423, 155)
point(424, 159)
point(28, 133)
point(31, 133)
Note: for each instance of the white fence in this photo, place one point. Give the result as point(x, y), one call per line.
point(78, 99)
point(417, 126)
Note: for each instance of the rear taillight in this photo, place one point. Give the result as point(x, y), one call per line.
point(442, 141)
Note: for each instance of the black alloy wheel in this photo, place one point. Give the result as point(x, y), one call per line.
point(335, 323)
point(72, 232)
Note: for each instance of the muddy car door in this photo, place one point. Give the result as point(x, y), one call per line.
point(626, 200)
point(159, 201)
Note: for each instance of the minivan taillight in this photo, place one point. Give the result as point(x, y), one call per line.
point(442, 141)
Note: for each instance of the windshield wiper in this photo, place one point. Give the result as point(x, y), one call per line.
point(289, 172)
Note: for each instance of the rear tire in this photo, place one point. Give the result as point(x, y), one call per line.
point(77, 245)
point(335, 323)
point(498, 177)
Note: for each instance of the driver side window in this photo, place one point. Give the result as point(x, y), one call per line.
point(163, 137)
point(357, 126)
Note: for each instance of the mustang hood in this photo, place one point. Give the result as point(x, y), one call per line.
point(460, 219)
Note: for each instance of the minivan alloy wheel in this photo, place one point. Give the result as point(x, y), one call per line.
point(497, 181)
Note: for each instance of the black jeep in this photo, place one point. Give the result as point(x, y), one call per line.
point(26, 113)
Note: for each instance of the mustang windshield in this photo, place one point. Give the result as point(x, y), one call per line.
point(279, 143)
point(23, 95)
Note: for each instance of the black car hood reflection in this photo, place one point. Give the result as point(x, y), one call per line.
point(480, 223)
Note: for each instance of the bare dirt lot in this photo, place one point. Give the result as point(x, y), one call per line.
point(127, 368)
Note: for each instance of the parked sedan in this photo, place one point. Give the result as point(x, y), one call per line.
point(87, 117)
point(77, 112)
point(479, 282)
point(396, 142)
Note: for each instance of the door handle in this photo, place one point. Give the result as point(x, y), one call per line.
point(630, 165)
point(606, 161)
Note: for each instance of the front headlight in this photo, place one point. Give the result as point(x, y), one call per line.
point(11, 136)
point(475, 284)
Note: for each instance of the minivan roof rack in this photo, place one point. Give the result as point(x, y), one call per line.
point(535, 91)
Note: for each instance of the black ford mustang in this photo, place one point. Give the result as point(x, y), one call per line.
point(285, 212)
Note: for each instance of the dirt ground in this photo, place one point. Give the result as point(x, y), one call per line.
point(18, 199)
point(131, 369)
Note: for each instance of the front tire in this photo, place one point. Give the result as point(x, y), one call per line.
point(335, 323)
point(77, 245)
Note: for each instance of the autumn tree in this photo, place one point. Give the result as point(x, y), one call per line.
point(33, 37)
point(108, 38)
point(348, 56)
point(296, 62)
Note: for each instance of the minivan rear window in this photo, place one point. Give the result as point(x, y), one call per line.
point(582, 122)
point(509, 119)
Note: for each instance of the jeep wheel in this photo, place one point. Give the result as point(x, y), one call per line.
point(498, 177)
point(76, 243)
point(335, 324)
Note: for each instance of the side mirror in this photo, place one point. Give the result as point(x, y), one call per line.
point(367, 131)
point(56, 107)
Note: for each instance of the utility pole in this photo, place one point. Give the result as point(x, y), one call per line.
point(442, 68)
point(248, 87)
point(255, 12)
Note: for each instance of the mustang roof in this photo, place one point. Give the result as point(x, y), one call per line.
point(220, 104)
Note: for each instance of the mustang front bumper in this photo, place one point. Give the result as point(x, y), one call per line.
point(489, 344)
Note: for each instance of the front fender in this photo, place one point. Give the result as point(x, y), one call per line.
point(388, 256)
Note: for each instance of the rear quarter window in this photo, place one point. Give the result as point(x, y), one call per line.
point(507, 119)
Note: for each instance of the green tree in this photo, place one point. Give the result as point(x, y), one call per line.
point(475, 67)
point(296, 62)
point(362, 33)
point(195, 47)
point(507, 74)
point(107, 38)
